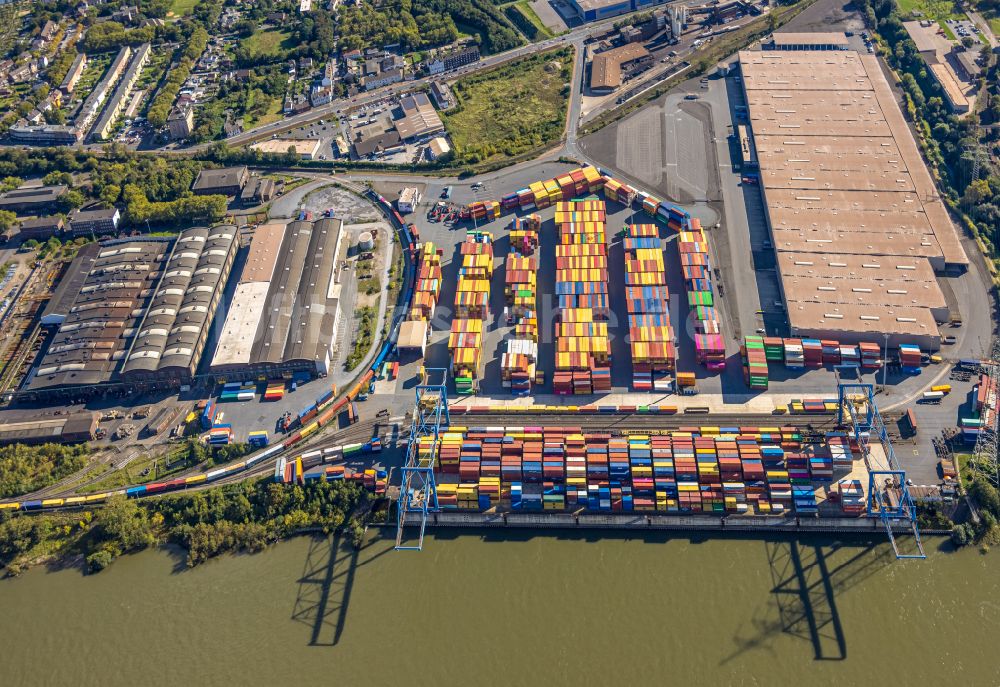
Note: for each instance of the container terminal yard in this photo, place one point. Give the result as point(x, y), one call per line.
point(567, 341)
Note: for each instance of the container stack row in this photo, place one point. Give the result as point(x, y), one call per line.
point(274, 391)
point(542, 194)
point(813, 353)
point(427, 288)
point(909, 358)
point(618, 192)
point(754, 356)
point(710, 347)
point(733, 470)
point(520, 357)
point(484, 210)
point(238, 391)
point(654, 354)
point(583, 349)
point(852, 496)
point(220, 434)
point(472, 303)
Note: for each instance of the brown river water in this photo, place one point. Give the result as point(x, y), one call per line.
point(513, 608)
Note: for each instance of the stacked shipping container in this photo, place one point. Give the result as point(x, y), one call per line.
point(754, 354)
point(650, 334)
point(712, 470)
point(472, 304)
point(710, 348)
point(583, 349)
point(427, 287)
point(520, 355)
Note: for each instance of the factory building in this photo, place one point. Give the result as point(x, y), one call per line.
point(228, 181)
point(22, 427)
point(286, 307)
point(34, 199)
point(807, 41)
point(594, 10)
point(135, 312)
point(853, 213)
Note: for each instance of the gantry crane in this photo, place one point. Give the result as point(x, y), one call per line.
point(888, 494)
point(418, 491)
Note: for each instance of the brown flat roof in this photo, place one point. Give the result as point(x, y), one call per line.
point(264, 249)
point(606, 67)
point(848, 267)
point(866, 319)
point(819, 38)
point(863, 292)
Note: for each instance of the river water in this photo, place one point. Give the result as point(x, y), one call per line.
point(512, 608)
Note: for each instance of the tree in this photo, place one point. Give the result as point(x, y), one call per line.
point(54, 178)
point(123, 522)
point(7, 220)
point(976, 193)
point(69, 201)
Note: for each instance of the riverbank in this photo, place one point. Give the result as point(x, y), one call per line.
point(236, 518)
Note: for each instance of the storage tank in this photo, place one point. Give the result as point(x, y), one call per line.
point(366, 241)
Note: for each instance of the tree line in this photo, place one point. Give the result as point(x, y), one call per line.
point(246, 516)
point(948, 141)
point(24, 469)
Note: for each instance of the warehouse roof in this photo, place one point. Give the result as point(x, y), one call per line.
point(209, 179)
point(419, 117)
point(866, 319)
point(819, 38)
point(141, 307)
point(588, 5)
point(306, 147)
point(952, 87)
point(72, 281)
point(32, 429)
point(169, 334)
point(263, 253)
point(850, 267)
point(92, 340)
point(291, 317)
point(868, 291)
point(36, 195)
point(842, 176)
point(923, 37)
point(606, 67)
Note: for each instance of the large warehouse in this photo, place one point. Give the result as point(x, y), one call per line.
point(286, 306)
point(139, 312)
point(854, 215)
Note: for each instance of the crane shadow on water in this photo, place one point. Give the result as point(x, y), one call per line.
point(324, 594)
point(806, 580)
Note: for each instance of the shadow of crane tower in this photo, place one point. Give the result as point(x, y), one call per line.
point(806, 581)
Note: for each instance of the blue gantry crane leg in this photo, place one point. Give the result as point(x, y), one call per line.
point(418, 490)
point(888, 494)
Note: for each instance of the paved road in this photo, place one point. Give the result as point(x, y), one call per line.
point(983, 26)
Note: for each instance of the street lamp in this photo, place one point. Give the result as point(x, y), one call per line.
point(885, 359)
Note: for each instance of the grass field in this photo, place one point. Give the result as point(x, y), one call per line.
point(269, 43)
point(273, 114)
point(522, 104)
point(938, 10)
point(180, 8)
